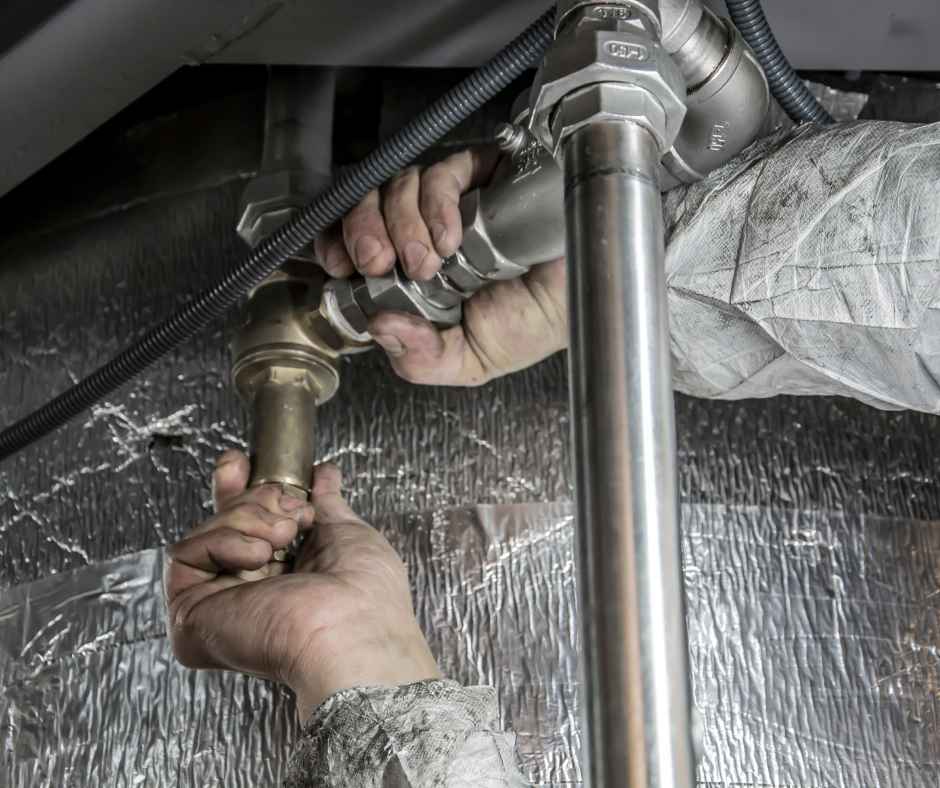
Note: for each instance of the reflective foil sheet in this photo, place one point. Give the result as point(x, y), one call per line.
point(810, 553)
point(814, 643)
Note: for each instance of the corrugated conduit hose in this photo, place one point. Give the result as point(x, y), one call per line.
point(346, 191)
point(785, 84)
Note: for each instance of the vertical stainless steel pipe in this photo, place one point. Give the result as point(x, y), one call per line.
point(635, 646)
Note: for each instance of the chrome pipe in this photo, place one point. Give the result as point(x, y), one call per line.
point(636, 693)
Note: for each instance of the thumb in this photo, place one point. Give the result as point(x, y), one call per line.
point(420, 353)
point(327, 497)
point(229, 479)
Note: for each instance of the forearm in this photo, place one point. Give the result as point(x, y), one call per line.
point(427, 733)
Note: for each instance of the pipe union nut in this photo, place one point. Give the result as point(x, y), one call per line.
point(394, 292)
point(609, 102)
point(285, 367)
point(349, 304)
point(603, 56)
point(477, 248)
point(342, 310)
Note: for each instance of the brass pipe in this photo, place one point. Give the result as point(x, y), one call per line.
point(285, 365)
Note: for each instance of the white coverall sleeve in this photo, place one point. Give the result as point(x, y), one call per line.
point(431, 733)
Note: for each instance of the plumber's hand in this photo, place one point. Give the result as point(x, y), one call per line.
point(342, 618)
point(506, 327)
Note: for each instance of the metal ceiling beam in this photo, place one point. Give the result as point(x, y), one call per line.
point(91, 58)
point(76, 64)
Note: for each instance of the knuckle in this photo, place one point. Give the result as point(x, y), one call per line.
point(365, 212)
point(440, 175)
point(249, 510)
point(404, 180)
point(404, 228)
point(260, 550)
point(400, 203)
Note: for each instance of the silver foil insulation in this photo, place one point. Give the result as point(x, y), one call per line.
point(810, 558)
point(813, 640)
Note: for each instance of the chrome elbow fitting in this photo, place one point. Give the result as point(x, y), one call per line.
point(727, 96)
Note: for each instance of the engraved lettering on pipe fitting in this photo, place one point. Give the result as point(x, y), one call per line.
point(627, 50)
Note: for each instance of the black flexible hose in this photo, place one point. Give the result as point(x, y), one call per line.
point(785, 84)
point(347, 189)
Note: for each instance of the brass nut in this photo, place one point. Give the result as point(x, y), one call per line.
point(285, 367)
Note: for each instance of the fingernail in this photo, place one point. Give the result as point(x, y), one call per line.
point(438, 233)
point(332, 262)
point(390, 344)
point(289, 504)
point(367, 247)
point(415, 252)
point(430, 267)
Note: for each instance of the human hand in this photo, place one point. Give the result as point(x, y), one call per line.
point(342, 618)
point(507, 326)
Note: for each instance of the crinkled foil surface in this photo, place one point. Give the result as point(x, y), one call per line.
point(813, 641)
point(811, 562)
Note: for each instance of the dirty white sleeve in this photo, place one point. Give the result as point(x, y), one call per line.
point(432, 733)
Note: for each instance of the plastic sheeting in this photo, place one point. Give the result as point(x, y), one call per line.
point(814, 643)
point(811, 265)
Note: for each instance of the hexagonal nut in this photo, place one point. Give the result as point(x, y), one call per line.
point(478, 249)
point(602, 56)
point(609, 102)
point(394, 292)
point(342, 309)
point(271, 199)
point(461, 275)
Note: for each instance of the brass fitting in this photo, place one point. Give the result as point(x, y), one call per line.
point(285, 365)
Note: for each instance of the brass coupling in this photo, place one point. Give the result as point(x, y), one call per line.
point(285, 366)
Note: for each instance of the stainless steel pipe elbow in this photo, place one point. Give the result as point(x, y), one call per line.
point(518, 220)
point(727, 97)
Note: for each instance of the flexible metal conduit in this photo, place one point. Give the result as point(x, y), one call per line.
point(343, 194)
point(785, 84)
